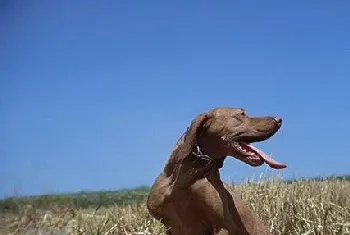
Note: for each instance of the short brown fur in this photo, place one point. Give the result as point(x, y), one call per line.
point(188, 197)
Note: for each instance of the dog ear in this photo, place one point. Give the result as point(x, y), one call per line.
point(192, 134)
point(186, 143)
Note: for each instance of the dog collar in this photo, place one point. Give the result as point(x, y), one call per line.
point(198, 153)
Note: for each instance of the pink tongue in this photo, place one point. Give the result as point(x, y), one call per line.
point(272, 163)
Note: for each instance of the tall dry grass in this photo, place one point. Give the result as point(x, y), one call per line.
point(294, 208)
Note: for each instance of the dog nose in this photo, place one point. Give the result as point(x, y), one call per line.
point(278, 120)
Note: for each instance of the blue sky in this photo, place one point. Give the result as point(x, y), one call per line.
point(94, 94)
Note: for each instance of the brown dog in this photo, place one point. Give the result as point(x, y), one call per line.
point(188, 197)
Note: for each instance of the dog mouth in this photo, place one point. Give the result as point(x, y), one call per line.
point(254, 156)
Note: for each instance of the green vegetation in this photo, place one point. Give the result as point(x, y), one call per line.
point(78, 200)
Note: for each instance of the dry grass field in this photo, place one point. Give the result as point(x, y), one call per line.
point(307, 207)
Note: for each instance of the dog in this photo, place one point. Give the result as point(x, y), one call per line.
point(188, 197)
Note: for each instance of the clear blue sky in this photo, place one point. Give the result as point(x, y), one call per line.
point(94, 94)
